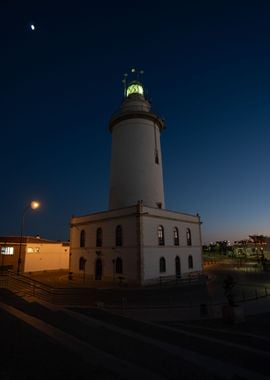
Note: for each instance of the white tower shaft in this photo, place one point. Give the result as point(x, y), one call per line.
point(136, 166)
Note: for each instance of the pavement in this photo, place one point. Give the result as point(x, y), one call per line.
point(41, 340)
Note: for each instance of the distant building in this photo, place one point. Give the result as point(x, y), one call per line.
point(256, 245)
point(137, 239)
point(36, 254)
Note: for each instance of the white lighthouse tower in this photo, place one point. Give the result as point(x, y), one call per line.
point(136, 164)
point(137, 240)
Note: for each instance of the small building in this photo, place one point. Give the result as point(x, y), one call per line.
point(33, 254)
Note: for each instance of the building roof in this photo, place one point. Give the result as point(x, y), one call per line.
point(133, 210)
point(30, 239)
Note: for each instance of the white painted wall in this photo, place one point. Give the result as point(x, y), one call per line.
point(151, 251)
point(135, 175)
point(108, 221)
point(152, 256)
point(128, 255)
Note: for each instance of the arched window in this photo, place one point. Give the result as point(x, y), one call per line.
point(119, 265)
point(188, 236)
point(161, 240)
point(119, 236)
point(175, 236)
point(82, 238)
point(162, 265)
point(190, 262)
point(99, 237)
point(82, 262)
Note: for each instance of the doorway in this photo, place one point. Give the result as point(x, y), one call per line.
point(177, 267)
point(98, 273)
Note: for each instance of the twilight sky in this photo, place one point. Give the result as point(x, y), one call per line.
point(207, 72)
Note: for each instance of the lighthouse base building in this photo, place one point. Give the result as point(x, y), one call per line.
point(138, 245)
point(137, 240)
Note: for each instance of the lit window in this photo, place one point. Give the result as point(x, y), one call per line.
point(119, 236)
point(31, 250)
point(82, 239)
point(188, 236)
point(190, 262)
point(175, 236)
point(99, 237)
point(119, 265)
point(161, 235)
point(162, 265)
point(7, 250)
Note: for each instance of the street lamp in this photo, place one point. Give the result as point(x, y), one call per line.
point(33, 205)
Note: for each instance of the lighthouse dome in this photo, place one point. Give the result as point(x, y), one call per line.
point(134, 87)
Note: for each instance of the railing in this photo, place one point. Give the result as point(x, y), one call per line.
point(24, 286)
point(121, 298)
point(193, 278)
point(178, 280)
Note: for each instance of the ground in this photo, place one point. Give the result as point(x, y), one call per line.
point(152, 333)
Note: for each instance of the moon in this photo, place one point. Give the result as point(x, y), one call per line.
point(32, 26)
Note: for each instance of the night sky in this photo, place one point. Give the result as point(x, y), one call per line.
point(207, 72)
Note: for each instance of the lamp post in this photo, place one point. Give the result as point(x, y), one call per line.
point(33, 205)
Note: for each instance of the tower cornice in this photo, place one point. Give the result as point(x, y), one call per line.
point(121, 116)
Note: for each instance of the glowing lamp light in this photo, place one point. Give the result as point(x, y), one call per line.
point(34, 205)
point(32, 27)
point(135, 88)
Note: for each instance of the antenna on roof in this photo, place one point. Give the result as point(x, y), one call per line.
point(137, 73)
point(124, 81)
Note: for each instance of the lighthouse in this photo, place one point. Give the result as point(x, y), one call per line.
point(137, 239)
point(136, 161)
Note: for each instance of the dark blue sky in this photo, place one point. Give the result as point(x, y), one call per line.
point(207, 71)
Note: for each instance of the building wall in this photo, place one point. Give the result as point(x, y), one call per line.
point(152, 251)
point(36, 254)
point(108, 258)
point(45, 256)
point(152, 257)
point(11, 261)
point(108, 252)
point(129, 252)
point(150, 226)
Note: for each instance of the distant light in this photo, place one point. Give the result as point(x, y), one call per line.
point(32, 26)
